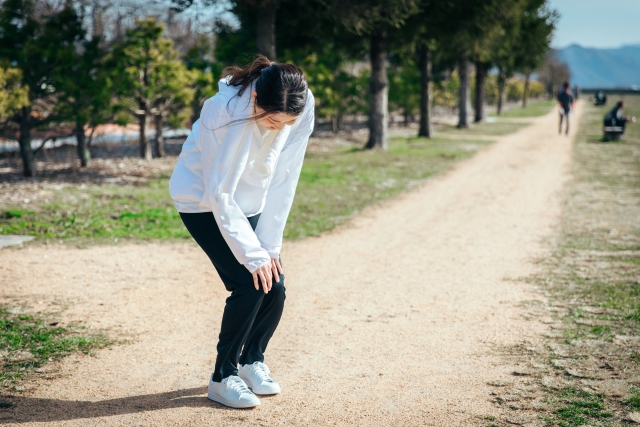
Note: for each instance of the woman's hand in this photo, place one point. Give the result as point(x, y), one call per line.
point(264, 273)
point(276, 269)
point(267, 273)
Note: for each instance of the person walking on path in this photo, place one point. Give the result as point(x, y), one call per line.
point(233, 186)
point(566, 104)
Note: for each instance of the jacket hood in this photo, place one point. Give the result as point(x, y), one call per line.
point(245, 102)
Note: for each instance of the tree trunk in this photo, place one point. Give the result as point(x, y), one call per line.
point(83, 150)
point(145, 146)
point(464, 95)
point(196, 108)
point(481, 75)
point(159, 123)
point(266, 28)
point(26, 152)
point(502, 83)
point(426, 94)
point(378, 92)
point(334, 124)
point(525, 96)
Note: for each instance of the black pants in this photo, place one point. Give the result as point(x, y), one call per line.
point(610, 121)
point(250, 316)
point(564, 116)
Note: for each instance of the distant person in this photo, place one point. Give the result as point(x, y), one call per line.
point(576, 92)
point(600, 98)
point(614, 118)
point(233, 187)
point(565, 104)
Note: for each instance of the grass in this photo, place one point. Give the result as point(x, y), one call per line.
point(608, 191)
point(633, 402)
point(337, 185)
point(333, 187)
point(99, 212)
point(580, 408)
point(27, 342)
point(535, 108)
point(594, 273)
point(498, 128)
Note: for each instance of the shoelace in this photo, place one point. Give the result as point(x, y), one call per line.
point(236, 384)
point(262, 371)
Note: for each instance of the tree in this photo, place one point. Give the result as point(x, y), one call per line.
point(473, 43)
point(482, 67)
point(150, 77)
point(426, 91)
point(86, 93)
point(419, 37)
point(523, 43)
point(454, 31)
point(13, 96)
point(199, 60)
point(537, 25)
point(404, 86)
point(553, 73)
point(261, 12)
point(37, 42)
point(374, 19)
point(174, 95)
point(338, 91)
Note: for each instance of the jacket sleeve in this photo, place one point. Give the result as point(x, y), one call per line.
point(283, 185)
point(222, 169)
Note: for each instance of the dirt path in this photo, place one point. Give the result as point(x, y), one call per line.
point(392, 320)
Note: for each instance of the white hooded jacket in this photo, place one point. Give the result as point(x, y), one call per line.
point(226, 168)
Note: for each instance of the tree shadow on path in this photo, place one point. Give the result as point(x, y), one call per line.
point(21, 409)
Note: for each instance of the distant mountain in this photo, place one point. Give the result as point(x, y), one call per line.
point(603, 68)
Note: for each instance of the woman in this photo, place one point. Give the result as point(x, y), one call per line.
point(233, 186)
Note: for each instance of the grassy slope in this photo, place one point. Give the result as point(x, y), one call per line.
point(592, 374)
point(333, 187)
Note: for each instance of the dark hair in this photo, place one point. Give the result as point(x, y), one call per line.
point(280, 88)
point(620, 104)
point(565, 85)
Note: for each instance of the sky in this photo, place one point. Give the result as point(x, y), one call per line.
point(597, 23)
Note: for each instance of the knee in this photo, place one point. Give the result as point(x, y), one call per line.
point(277, 288)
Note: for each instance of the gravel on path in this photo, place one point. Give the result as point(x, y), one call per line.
point(394, 319)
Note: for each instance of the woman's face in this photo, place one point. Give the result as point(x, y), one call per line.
point(273, 121)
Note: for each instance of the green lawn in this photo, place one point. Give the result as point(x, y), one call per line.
point(333, 187)
point(534, 109)
point(100, 212)
point(497, 128)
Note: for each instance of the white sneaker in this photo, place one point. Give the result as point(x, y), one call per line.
point(232, 392)
point(256, 376)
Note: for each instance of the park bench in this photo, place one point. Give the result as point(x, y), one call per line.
point(612, 133)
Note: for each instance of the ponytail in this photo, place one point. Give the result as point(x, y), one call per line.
point(244, 77)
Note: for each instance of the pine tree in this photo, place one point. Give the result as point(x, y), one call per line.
point(86, 93)
point(13, 96)
point(373, 20)
point(38, 43)
point(151, 80)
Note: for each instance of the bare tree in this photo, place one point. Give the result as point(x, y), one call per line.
point(553, 73)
